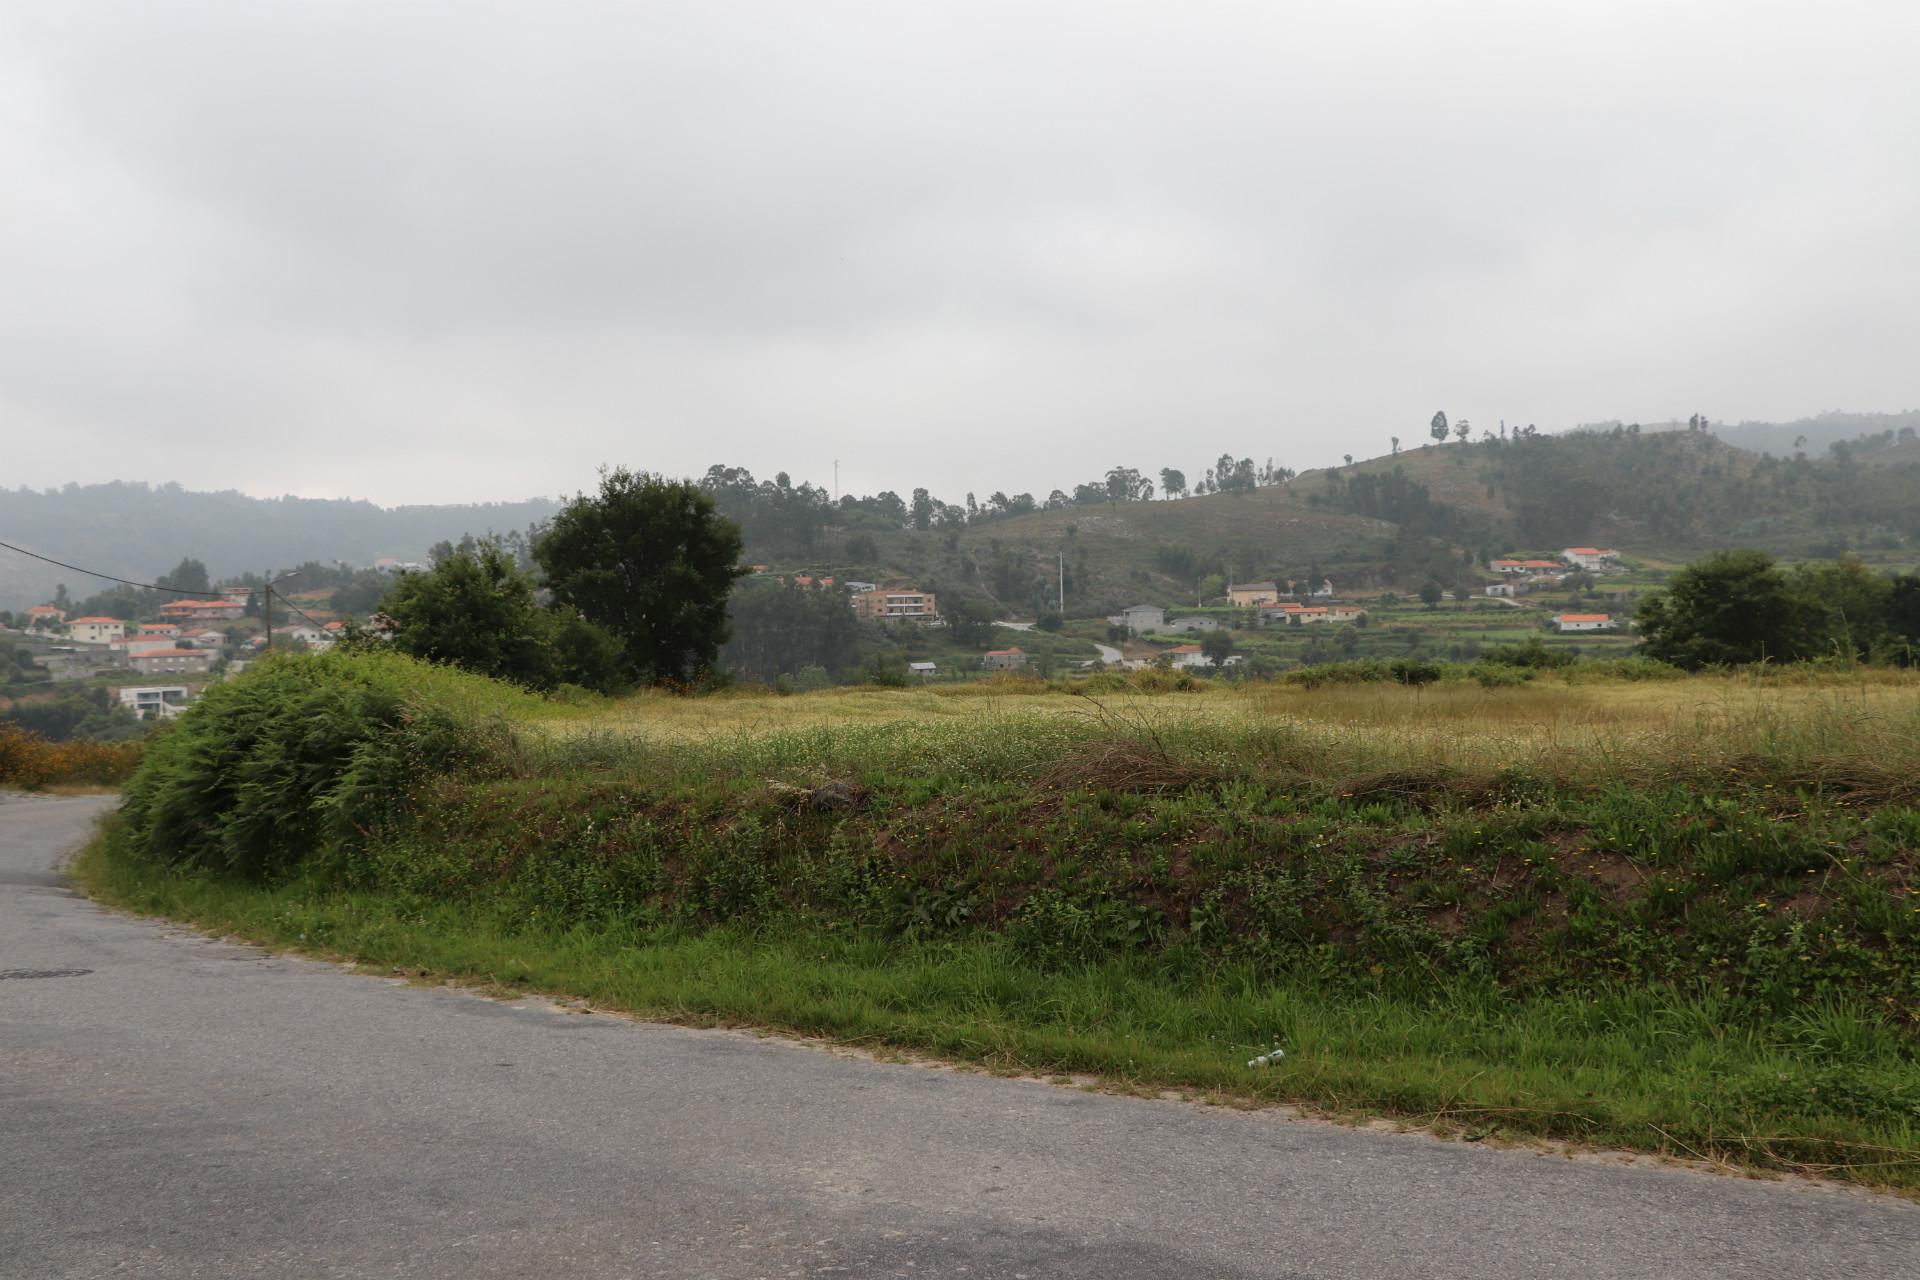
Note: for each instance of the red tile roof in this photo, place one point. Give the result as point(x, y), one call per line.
point(79, 621)
point(1583, 617)
point(1001, 653)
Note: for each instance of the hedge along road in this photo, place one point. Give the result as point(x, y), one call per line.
point(176, 1106)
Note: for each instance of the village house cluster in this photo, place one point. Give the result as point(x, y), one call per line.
point(870, 600)
point(1519, 577)
point(189, 639)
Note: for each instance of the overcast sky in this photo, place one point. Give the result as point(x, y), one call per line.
point(453, 252)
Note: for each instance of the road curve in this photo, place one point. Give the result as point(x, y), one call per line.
point(174, 1106)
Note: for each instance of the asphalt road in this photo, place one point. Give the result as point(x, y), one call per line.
point(173, 1106)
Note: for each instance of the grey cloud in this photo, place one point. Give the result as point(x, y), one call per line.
point(981, 245)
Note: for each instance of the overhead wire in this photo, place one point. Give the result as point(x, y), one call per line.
point(125, 582)
point(148, 586)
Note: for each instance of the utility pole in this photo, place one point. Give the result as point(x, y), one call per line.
point(1063, 584)
point(836, 479)
point(266, 604)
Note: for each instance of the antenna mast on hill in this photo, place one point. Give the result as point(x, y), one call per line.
point(836, 479)
point(1063, 584)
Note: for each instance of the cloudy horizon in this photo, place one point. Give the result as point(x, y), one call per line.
point(438, 253)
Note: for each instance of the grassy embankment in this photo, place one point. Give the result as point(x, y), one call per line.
point(1673, 915)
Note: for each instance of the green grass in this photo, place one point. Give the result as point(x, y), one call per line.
point(1673, 914)
point(1649, 1070)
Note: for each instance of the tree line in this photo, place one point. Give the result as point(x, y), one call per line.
point(626, 586)
point(1737, 607)
point(784, 520)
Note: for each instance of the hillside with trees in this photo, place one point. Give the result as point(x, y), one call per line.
point(1433, 508)
point(137, 530)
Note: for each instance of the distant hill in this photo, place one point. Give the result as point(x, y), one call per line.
point(140, 531)
point(1811, 436)
point(1433, 512)
point(1132, 552)
point(1673, 493)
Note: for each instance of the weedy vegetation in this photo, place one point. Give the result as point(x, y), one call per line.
point(33, 762)
point(1673, 914)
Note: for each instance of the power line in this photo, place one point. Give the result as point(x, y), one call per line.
point(294, 608)
point(125, 582)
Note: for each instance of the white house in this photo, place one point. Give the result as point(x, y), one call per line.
point(1187, 655)
point(1139, 619)
point(922, 669)
point(1501, 589)
point(96, 630)
point(154, 702)
point(1583, 621)
point(1192, 624)
point(1592, 559)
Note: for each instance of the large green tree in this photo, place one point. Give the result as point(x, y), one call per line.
point(188, 575)
point(782, 628)
point(1730, 607)
point(652, 561)
point(1217, 647)
point(475, 609)
point(1903, 616)
point(1846, 608)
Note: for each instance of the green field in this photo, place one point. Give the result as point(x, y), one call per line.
point(1674, 915)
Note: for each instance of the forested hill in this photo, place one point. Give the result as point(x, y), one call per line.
point(1860, 432)
point(1428, 512)
point(140, 531)
point(1676, 493)
point(1424, 513)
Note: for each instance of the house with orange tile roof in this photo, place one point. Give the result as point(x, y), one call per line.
point(1592, 559)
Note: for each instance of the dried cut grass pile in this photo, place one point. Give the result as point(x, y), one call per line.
point(1126, 763)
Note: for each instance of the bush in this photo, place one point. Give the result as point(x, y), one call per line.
point(300, 753)
point(31, 761)
point(1413, 671)
point(1531, 653)
point(1496, 675)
